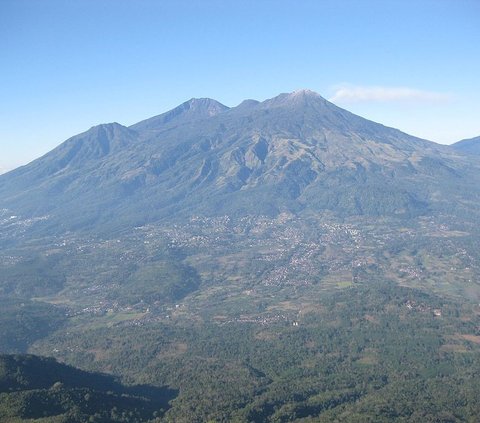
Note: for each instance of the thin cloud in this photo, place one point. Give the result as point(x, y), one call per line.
point(356, 94)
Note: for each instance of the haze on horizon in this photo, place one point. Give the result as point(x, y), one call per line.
point(68, 66)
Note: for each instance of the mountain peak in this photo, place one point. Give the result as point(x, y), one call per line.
point(301, 97)
point(193, 109)
point(204, 106)
point(107, 127)
point(304, 93)
point(205, 103)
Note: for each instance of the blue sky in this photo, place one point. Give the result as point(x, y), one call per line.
point(66, 65)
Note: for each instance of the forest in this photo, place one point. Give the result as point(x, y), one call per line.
point(365, 353)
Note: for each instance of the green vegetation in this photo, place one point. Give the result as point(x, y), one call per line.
point(260, 319)
point(34, 276)
point(38, 389)
point(22, 322)
point(164, 281)
point(366, 353)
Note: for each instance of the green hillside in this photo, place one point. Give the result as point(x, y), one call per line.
point(37, 389)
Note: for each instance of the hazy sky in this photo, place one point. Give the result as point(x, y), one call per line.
point(66, 65)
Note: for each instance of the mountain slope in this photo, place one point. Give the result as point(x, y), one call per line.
point(66, 173)
point(296, 152)
point(469, 146)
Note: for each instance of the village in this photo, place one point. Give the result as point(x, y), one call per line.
point(254, 251)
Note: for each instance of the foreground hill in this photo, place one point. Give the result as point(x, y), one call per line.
point(296, 152)
point(40, 389)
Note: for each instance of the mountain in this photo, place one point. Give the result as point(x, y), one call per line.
point(296, 152)
point(469, 146)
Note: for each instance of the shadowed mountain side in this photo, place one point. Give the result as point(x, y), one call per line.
point(295, 152)
point(33, 387)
